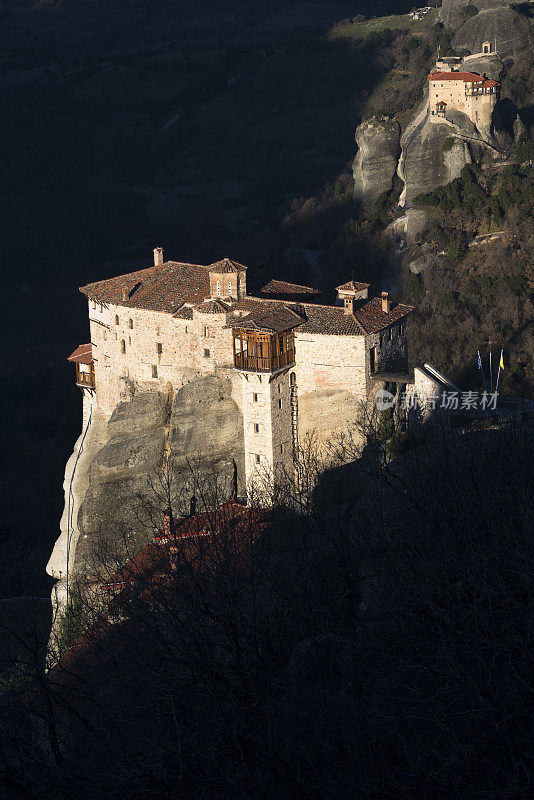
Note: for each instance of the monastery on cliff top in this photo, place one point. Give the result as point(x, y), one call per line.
point(295, 364)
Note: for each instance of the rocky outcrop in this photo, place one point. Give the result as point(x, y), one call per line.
point(425, 165)
point(196, 436)
point(454, 12)
point(506, 29)
point(374, 167)
point(490, 65)
point(520, 130)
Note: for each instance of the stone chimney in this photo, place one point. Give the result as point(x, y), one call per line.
point(348, 305)
point(158, 256)
point(168, 523)
point(125, 293)
point(385, 303)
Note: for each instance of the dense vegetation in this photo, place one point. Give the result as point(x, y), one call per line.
point(469, 296)
point(379, 640)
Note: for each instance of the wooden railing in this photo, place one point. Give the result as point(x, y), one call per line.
point(259, 364)
point(85, 379)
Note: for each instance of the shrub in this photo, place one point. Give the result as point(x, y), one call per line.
point(470, 11)
point(448, 144)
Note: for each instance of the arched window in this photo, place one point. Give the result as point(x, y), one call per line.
point(116, 319)
point(130, 323)
point(218, 288)
point(292, 379)
point(123, 346)
point(229, 288)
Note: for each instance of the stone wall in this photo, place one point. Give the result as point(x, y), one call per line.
point(146, 350)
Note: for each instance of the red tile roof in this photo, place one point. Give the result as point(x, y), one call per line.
point(83, 354)
point(466, 77)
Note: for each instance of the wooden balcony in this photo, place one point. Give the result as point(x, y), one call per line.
point(85, 380)
point(264, 364)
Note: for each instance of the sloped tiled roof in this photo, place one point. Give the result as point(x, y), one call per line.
point(159, 288)
point(275, 318)
point(330, 320)
point(213, 307)
point(352, 286)
point(275, 287)
point(373, 319)
point(226, 265)
point(466, 77)
point(83, 354)
point(185, 312)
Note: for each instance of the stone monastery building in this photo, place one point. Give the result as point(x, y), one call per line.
point(295, 365)
point(473, 94)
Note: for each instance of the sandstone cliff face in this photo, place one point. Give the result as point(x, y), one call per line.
point(374, 166)
point(502, 26)
point(198, 433)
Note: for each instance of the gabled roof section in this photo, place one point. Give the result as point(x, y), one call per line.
point(83, 354)
point(330, 321)
point(373, 319)
point(270, 318)
point(159, 288)
point(226, 265)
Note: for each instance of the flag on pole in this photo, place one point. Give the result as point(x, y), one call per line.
point(479, 360)
point(501, 366)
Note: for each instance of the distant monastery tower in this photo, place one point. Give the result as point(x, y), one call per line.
point(453, 90)
point(295, 364)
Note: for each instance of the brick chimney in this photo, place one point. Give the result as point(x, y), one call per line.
point(158, 256)
point(385, 302)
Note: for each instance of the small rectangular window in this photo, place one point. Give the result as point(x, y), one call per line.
point(281, 449)
point(256, 427)
point(206, 352)
point(257, 459)
point(154, 371)
point(205, 330)
point(279, 388)
point(255, 397)
point(186, 329)
point(159, 348)
point(280, 404)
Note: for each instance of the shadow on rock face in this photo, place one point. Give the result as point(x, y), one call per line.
point(199, 433)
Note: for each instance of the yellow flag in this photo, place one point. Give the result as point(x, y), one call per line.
point(501, 363)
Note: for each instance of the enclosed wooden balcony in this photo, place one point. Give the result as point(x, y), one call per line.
point(263, 352)
point(86, 380)
point(82, 358)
